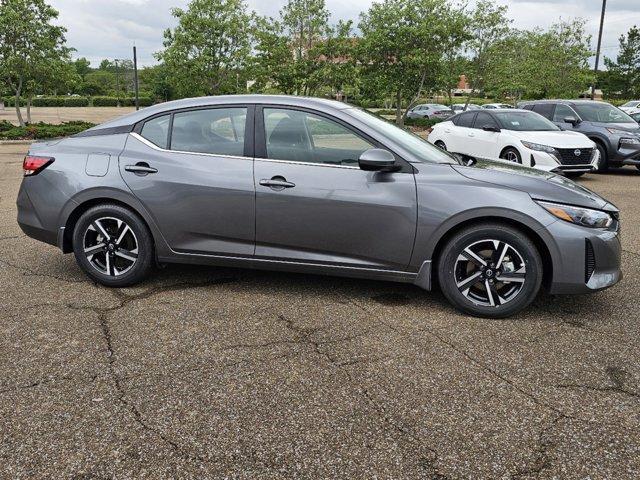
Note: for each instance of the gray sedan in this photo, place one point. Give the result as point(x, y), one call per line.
point(312, 186)
point(430, 111)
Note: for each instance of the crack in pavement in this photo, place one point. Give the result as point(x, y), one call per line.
point(27, 272)
point(542, 451)
point(304, 335)
point(617, 376)
point(48, 381)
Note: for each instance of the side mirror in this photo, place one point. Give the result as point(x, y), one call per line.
point(491, 128)
point(377, 160)
point(572, 120)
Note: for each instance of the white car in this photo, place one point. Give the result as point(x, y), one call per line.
point(493, 106)
point(631, 107)
point(519, 136)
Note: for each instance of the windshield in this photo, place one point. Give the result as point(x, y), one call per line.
point(418, 147)
point(525, 122)
point(631, 104)
point(601, 112)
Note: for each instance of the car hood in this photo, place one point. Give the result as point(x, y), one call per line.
point(539, 184)
point(630, 127)
point(557, 139)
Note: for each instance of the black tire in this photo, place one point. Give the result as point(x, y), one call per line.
point(440, 144)
point(511, 154)
point(603, 163)
point(112, 220)
point(573, 174)
point(512, 296)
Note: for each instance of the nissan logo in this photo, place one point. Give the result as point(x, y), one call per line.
point(577, 152)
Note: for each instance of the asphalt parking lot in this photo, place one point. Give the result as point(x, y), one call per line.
point(220, 373)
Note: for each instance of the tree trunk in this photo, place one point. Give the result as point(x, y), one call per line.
point(399, 115)
point(17, 99)
point(29, 100)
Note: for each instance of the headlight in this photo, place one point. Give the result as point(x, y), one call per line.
point(539, 147)
point(586, 217)
point(629, 141)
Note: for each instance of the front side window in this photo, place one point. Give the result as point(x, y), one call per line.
point(484, 120)
point(525, 122)
point(562, 112)
point(304, 137)
point(156, 130)
point(602, 112)
point(218, 131)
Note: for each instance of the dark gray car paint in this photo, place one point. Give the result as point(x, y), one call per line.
point(336, 220)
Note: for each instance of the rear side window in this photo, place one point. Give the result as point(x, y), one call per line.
point(483, 120)
point(156, 130)
point(465, 120)
point(545, 109)
point(218, 131)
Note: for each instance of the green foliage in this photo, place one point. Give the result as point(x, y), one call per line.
point(42, 130)
point(623, 75)
point(123, 102)
point(208, 50)
point(421, 122)
point(60, 102)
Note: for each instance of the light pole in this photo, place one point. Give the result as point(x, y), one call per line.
point(595, 71)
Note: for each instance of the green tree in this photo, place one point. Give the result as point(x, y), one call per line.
point(156, 81)
point(82, 66)
point(273, 64)
point(401, 47)
point(624, 73)
point(29, 44)
point(208, 50)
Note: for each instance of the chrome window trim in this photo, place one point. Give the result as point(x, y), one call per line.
point(160, 149)
point(317, 164)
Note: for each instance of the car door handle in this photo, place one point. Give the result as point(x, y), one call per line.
point(141, 168)
point(472, 134)
point(277, 183)
point(447, 131)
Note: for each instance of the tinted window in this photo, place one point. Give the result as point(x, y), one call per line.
point(562, 112)
point(156, 130)
point(484, 119)
point(218, 131)
point(544, 109)
point(305, 137)
point(527, 107)
point(524, 122)
point(465, 120)
point(601, 112)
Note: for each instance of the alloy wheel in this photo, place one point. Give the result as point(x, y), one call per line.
point(511, 156)
point(111, 246)
point(490, 272)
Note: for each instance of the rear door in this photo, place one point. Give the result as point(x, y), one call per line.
point(313, 203)
point(459, 139)
point(193, 171)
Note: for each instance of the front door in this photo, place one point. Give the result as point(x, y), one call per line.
point(314, 204)
point(197, 183)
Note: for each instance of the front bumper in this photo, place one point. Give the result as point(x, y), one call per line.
point(586, 260)
point(550, 163)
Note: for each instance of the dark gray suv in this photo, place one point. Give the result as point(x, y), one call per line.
point(615, 133)
point(312, 186)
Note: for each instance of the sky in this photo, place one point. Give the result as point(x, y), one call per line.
point(100, 29)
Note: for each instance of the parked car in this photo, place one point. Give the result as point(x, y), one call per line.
point(615, 133)
point(430, 110)
point(518, 136)
point(313, 186)
point(631, 107)
point(493, 106)
point(459, 107)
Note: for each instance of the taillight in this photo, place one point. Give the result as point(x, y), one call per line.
point(33, 165)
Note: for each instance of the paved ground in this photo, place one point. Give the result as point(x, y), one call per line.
point(210, 373)
point(57, 115)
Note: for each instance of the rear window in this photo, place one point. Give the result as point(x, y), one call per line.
point(545, 109)
point(464, 120)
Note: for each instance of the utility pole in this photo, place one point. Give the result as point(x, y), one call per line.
point(135, 76)
point(595, 72)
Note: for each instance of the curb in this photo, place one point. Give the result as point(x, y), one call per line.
point(16, 142)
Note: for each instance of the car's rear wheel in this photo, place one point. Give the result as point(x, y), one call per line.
point(113, 245)
point(490, 270)
point(440, 144)
point(511, 154)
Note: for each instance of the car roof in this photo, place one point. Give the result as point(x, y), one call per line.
point(560, 100)
point(284, 100)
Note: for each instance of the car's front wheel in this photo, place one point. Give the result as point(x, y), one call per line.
point(113, 245)
point(490, 270)
point(511, 154)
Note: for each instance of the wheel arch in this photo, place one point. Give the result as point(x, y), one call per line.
point(526, 229)
point(89, 199)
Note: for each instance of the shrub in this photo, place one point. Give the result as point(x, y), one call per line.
point(42, 130)
point(421, 122)
point(124, 102)
point(104, 101)
point(4, 126)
